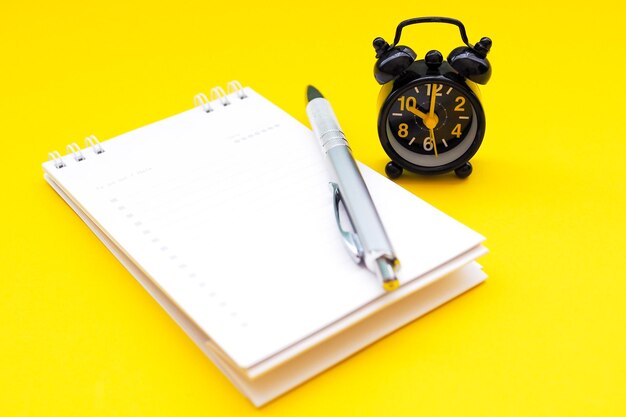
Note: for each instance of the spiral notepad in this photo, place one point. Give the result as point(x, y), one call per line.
point(223, 213)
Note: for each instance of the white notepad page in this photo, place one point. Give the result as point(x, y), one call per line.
point(230, 214)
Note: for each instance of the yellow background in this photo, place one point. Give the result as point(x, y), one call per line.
point(544, 336)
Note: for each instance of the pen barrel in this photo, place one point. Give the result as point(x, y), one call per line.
point(354, 193)
point(359, 206)
point(325, 125)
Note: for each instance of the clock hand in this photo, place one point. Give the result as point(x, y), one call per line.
point(432, 137)
point(416, 112)
point(432, 120)
point(433, 98)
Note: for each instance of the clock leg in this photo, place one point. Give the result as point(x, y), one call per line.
point(464, 170)
point(393, 170)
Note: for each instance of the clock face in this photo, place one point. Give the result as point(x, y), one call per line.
point(431, 123)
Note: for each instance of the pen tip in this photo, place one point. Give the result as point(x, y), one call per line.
point(391, 285)
point(312, 93)
point(386, 270)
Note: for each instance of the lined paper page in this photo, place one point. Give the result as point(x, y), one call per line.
point(229, 212)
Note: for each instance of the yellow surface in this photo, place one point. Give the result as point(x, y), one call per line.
point(545, 336)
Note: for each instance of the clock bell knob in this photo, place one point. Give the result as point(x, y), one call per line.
point(483, 46)
point(433, 59)
point(380, 46)
point(391, 61)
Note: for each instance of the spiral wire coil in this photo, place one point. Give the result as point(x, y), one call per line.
point(217, 97)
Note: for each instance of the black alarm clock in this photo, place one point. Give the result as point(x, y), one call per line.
point(431, 120)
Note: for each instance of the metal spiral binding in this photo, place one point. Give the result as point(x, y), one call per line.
point(93, 142)
point(201, 100)
point(74, 150)
point(235, 87)
point(218, 93)
point(56, 157)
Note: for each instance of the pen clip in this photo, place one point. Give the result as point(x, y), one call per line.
point(351, 239)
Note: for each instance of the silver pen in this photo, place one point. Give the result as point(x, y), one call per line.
point(368, 243)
